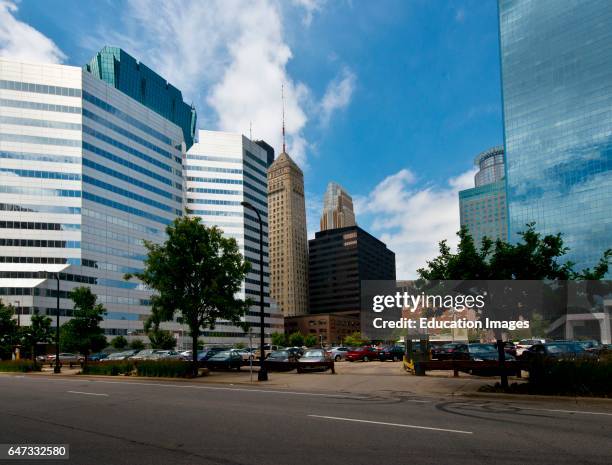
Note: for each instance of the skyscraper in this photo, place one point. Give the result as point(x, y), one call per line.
point(337, 208)
point(288, 239)
point(556, 63)
point(483, 208)
point(87, 172)
point(223, 169)
point(339, 259)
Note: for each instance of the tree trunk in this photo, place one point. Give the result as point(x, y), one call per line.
point(502, 364)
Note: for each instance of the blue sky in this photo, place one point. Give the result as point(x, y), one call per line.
point(392, 99)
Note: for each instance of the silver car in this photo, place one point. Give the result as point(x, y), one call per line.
point(339, 353)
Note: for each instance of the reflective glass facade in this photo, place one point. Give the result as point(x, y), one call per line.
point(556, 62)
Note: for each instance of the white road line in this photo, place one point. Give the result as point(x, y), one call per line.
point(213, 388)
point(400, 425)
point(583, 412)
point(87, 393)
point(519, 407)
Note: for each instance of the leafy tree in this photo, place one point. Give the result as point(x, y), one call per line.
point(296, 339)
point(83, 333)
point(159, 338)
point(533, 257)
point(137, 344)
point(355, 340)
point(278, 339)
point(119, 342)
point(197, 273)
point(8, 331)
point(39, 331)
point(311, 340)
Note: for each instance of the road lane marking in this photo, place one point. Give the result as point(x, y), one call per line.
point(87, 393)
point(400, 425)
point(518, 407)
point(583, 412)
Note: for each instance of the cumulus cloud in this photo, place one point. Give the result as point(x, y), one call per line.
point(411, 218)
point(337, 95)
point(20, 41)
point(230, 59)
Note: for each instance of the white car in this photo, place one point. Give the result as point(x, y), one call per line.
point(246, 354)
point(525, 344)
point(339, 353)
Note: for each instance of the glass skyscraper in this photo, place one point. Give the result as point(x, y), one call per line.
point(483, 208)
point(556, 63)
point(87, 172)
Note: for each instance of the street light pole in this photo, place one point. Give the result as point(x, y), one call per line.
point(57, 368)
point(263, 372)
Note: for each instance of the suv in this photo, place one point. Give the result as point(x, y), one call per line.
point(393, 353)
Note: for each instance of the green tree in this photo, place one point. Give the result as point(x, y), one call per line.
point(311, 340)
point(355, 340)
point(159, 338)
point(137, 344)
point(39, 332)
point(83, 333)
point(279, 339)
point(196, 272)
point(119, 342)
point(533, 257)
point(296, 339)
point(8, 331)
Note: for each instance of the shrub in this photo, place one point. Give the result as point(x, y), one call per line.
point(164, 368)
point(121, 367)
point(572, 377)
point(21, 366)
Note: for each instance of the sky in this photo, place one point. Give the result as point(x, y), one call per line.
point(392, 99)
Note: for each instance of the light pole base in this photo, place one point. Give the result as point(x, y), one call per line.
point(57, 369)
point(262, 375)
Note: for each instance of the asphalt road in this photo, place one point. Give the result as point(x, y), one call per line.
point(165, 423)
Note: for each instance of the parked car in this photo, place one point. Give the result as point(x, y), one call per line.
point(118, 356)
point(98, 356)
point(66, 358)
point(311, 358)
point(451, 351)
point(226, 359)
point(166, 355)
point(145, 354)
point(510, 348)
point(245, 354)
point(365, 354)
point(339, 353)
point(295, 351)
point(590, 345)
point(393, 353)
point(205, 354)
point(280, 359)
point(186, 354)
point(525, 344)
point(480, 352)
point(557, 350)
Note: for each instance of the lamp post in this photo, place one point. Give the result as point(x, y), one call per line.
point(57, 368)
point(263, 372)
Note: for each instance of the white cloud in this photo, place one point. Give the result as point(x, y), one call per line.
point(310, 8)
point(412, 219)
point(230, 57)
point(20, 41)
point(337, 95)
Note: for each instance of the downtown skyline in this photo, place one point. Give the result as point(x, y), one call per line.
point(437, 104)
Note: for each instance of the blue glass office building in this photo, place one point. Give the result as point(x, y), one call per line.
point(556, 62)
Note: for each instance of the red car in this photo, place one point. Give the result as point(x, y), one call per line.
point(364, 354)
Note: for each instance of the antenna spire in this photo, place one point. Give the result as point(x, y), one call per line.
point(283, 99)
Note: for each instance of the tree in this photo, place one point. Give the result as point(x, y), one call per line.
point(137, 344)
point(8, 331)
point(296, 339)
point(196, 272)
point(83, 333)
point(159, 338)
point(355, 340)
point(278, 339)
point(119, 342)
point(533, 257)
point(39, 331)
point(311, 340)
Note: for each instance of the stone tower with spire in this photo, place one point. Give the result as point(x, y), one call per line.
point(287, 235)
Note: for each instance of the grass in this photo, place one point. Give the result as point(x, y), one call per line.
point(19, 366)
point(164, 368)
point(108, 368)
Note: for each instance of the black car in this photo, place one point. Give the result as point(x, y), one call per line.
point(297, 352)
point(204, 355)
point(557, 350)
point(393, 353)
point(451, 351)
point(281, 360)
point(226, 359)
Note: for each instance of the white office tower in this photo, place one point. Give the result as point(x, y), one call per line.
point(89, 167)
point(223, 169)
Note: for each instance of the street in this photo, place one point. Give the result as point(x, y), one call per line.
point(132, 422)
